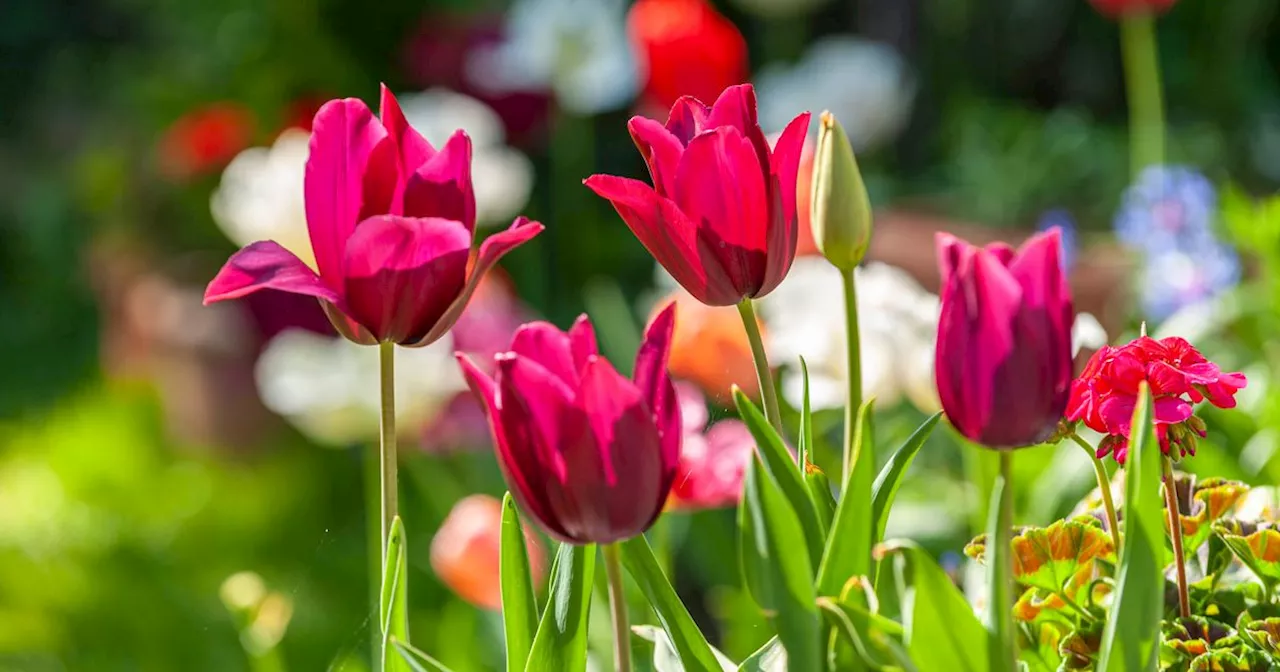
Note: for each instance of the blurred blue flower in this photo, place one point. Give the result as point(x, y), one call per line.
point(1067, 226)
point(1175, 279)
point(1169, 207)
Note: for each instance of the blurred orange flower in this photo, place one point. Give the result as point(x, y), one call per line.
point(710, 347)
point(804, 184)
point(465, 551)
point(205, 139)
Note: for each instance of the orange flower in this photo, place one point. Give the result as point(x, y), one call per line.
point(710, 347)
point(804, 183)
point(465, 551)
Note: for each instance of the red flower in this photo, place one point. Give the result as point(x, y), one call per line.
point(1104, 395)
point(205, 139)
point(1119, 8)
point(690, 49)
point(721, 214)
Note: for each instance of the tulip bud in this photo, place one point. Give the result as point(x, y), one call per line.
point(841, 210)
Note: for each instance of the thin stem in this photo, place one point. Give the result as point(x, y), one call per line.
point(853, 355)
point(387, 454)
point(1175, 533)
point(768, 394)
point(1076, 607)
point(1004, 648)
point(1142, 83)
point(1104, 486)
point(618, 607)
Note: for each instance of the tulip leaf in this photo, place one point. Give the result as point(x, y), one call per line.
point(876, 639)
point(942, 633)
point(806, 419)
point(815, 480)
point(1130, 641)
point(772, 657)
point(695, 654)
point(777, 462)
point(1256, 545)
point(848, 548)
point(665, 658)
point(393, 609)
point(561, 640)
point(519, 604)
point(416, 659)
point(890, 478)
point(775, 553)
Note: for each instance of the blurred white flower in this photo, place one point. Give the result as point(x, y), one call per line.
point(329, 388)
point(502, 175)
point(780, 8)
point(866, 85)
point(260, 195)
point(1087, 333)
point(577, 48)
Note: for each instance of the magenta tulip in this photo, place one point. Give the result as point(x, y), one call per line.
point(588, 454)
point(391, 221)
point(721, 214)
point(1003, 360)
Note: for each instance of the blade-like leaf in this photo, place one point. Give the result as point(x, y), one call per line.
point(393, 609)
point(848, 549)
point(890, 478)
point(695, 654)
point(782, 568)
point(869, 634)
point(416, 659)
point(777, 462)
point(561, 641)
point(815, 480)
point(665, 658)
point(941, 631)
point(519, 604)
point(771, 657)
point(806, 420)
point(1131, 640)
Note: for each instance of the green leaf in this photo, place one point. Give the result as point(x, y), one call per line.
point(772, 657)
point(815, 480)
point(806, 420)
point(1051, 558)
point(393, 611)
point(519, 604)
point(415, 659)
point(1256, 545)
point(848, 549)
point(875, 639)
point(1209, 500)
point(665, 658)
point(695, 654)
point(782, 471)
point(1131, 639)
point(941, 632)
point(890, 478)
point(774, 543)
point(561, 641)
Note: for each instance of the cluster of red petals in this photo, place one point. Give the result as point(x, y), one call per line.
point(205, 139)
point(1120, 8)
point(721, 214)
point(1105, 394)
point(391, 221)
point(688, 47)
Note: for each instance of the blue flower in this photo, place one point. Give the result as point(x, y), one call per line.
point(1176, 279)
point(1169, 207)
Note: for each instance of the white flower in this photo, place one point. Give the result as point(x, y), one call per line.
point(260, 196)
point(866, 85)
point(578, 48)
point(329, 387)
point(501, 175)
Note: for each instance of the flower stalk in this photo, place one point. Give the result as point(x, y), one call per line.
point(854, 359)
point(1142, 84)
point(1175, 534)
point(618, 608)
point(1104, 486)
point(1000, 627)
point(387, 444)
point(768, 393)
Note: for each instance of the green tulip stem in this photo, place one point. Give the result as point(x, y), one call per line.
point(387, 454)
point(768, 393)
point(1175, 534)
point(618, 607)
point(1142, 84)
point(1003, 643)
point(1104, 486)
point(853, 355)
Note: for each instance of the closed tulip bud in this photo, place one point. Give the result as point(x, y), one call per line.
point(841, 210)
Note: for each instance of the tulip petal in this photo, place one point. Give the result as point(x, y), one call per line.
point(736, 108)
point(266, 265)
point(655, 383)
point(784, 164)
point(441, 187)
point(543, 343)
point(669, 236)
point(402, 274)
point(493, 249)
point(582, 341)
point(348, 148)
point(720, 187)
point(413, 149)
point(661, 151)
point(688, 118)
point(635, 468)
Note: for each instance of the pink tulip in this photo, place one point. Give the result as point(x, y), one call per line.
point(721, 214)
point(391, 221)
point(588, 454)
point(1003, 360)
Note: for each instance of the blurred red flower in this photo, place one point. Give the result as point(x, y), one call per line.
point(1119, 8)
point(689, 48)
point(205, 139)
